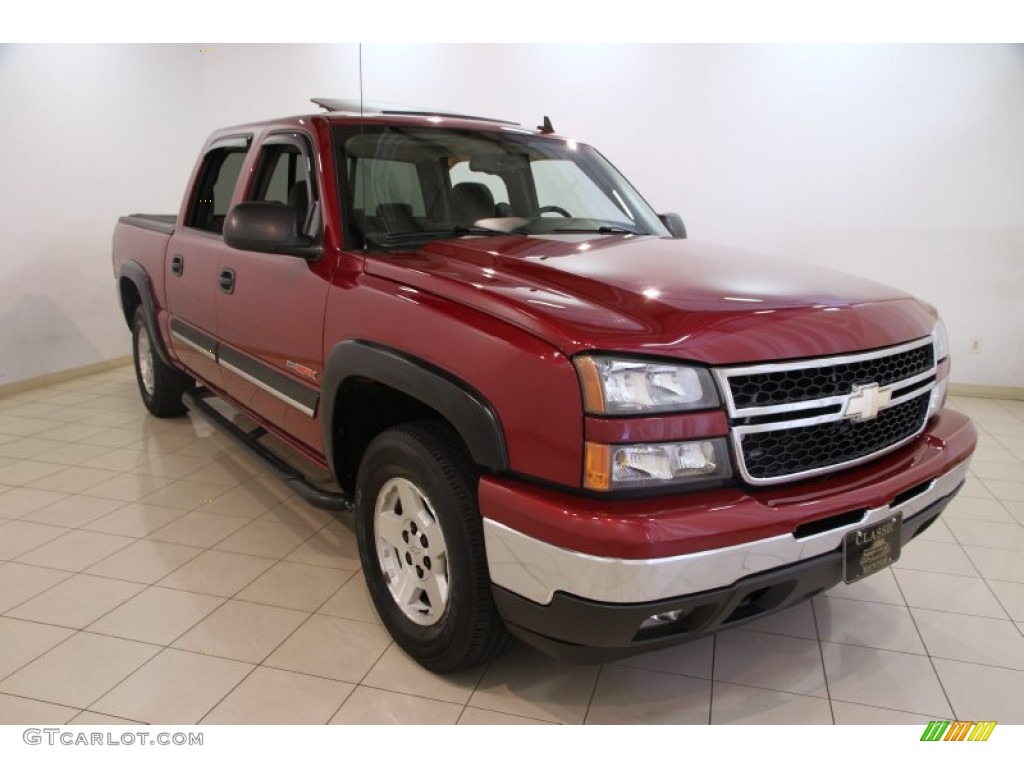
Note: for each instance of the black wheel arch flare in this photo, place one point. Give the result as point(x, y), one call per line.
point(136, 274)
point(466, 410)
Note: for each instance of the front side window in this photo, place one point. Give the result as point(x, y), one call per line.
point(280, 169)
point(402, 186)
point(282, 176)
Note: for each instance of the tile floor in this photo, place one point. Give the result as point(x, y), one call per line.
point(151, 573)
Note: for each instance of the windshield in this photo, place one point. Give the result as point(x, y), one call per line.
point(401, 186)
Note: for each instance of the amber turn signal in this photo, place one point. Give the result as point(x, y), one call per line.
point(597, 467)
point(590, 380)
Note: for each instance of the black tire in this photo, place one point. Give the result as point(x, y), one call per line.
point(160, 386)
point(455, 629)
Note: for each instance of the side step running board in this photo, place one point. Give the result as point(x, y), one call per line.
point(195, 400)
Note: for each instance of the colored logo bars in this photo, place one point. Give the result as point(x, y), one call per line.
point(958, 730)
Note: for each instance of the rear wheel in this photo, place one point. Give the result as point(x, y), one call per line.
point(422, 550)
point(160, 386)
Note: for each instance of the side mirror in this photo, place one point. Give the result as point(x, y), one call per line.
point(674, 224)
point(267, 228)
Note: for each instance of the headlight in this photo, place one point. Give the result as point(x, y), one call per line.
point(617, 386)
point(620, 467)
point(938, 398)
point(941, 339)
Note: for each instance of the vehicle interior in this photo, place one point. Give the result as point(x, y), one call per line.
point(407, 185)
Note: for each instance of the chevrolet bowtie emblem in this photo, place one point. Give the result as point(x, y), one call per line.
point(866, 401)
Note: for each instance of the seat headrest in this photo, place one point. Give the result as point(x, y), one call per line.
point(394, 210)
point(396, 217)
point(472, 201)
point(298, 201)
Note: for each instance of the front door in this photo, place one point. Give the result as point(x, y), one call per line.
point(271, 319)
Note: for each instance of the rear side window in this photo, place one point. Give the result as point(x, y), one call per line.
point(211, 196)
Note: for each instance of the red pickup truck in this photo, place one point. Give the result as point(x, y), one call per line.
point(552, 415)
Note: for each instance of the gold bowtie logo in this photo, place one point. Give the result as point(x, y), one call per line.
point(866, 401)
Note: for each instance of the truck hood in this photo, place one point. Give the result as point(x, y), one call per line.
point(654, 296)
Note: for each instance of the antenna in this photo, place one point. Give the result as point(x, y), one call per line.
point(362, 124)
point(546, 127)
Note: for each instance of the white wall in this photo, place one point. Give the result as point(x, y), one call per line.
point(245, 83)
point(902, 163)
point(87, 134)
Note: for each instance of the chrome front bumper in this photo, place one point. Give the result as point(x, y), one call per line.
point(536, 570)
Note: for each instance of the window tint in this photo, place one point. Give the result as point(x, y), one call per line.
point(211, 197)
point(280, 168)
point(282, 176)
point(226, 180)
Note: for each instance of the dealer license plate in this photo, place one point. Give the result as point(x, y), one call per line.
point(869, 550)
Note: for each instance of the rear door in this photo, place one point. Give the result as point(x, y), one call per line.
point(193, 259)
point(271, 320)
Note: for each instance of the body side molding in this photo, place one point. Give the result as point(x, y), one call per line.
point(269, 379)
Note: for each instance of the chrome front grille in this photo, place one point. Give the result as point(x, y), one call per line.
point(799, 419)
point(828, 379)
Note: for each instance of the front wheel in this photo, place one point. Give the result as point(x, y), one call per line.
point(160, 386)
point(422, 550)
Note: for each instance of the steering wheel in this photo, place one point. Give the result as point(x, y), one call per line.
point(552, 209)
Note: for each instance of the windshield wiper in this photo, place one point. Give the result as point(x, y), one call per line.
point(459, 230)
point(603, 230)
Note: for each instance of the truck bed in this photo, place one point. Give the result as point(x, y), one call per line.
point(158, 222)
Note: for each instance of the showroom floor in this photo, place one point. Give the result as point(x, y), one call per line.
point(150, 573)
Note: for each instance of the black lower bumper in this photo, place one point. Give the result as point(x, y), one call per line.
point(587, 631)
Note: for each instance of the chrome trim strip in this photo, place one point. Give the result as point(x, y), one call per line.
point(536, 570)
point(775, 479)
point(775, 426)
point(824, 402)
point(722, 375)
point(207, 353)
point(268, 389)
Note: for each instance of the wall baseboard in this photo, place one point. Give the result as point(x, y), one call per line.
point(980, 390)
point(59, 376)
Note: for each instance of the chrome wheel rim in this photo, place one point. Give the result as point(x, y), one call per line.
point(411, 551)
point(144, 350)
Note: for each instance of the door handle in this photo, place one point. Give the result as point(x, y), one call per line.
point(227, 280)
point(177, 264)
